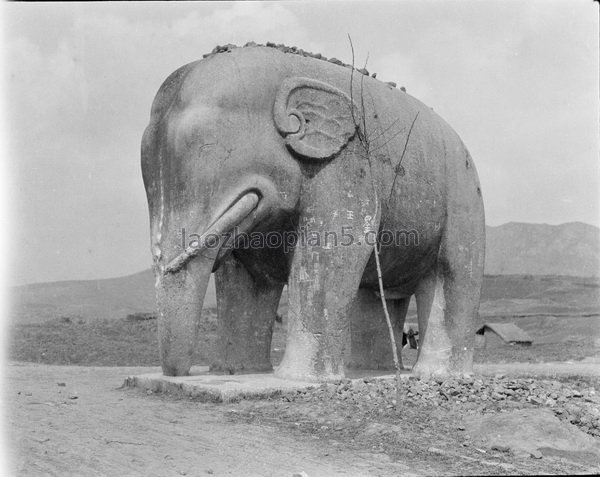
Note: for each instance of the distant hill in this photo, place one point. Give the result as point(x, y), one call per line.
point(109, 298)
point(513, 249)
point(571, 249)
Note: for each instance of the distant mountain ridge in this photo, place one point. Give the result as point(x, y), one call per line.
point(102, 299)
point(571, 249)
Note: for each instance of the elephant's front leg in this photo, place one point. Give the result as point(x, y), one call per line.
point(246, 314)
point(327, 266)
point(322, 286)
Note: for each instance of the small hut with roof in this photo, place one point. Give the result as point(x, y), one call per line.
point(501, 334)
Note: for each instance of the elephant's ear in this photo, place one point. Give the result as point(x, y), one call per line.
point(316, 119)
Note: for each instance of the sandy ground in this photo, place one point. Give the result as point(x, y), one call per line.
point(112, 431)
point(67, 420)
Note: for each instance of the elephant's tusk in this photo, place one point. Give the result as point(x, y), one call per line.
point(232, 217)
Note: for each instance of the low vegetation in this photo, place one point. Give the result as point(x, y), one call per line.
point(133, 342)
point(110, 323)
point(73, 341)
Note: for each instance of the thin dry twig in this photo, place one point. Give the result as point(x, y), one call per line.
point(383, 132)
point(354, 121)
point(362, 99)
point(387, 314)
point(399, 165)
point(364, 139)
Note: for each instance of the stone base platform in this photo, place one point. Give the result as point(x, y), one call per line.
point(205, 387)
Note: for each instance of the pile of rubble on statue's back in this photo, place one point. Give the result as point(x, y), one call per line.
point(296, 51)
point(577, 402)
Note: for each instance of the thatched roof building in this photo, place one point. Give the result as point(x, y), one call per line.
point(507, 333)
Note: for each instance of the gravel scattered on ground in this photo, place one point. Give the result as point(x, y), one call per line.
point(431, 417)
point(577, 402)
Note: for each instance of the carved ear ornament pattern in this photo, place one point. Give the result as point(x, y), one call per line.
point(315, 119)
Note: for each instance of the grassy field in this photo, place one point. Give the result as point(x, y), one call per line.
point(125, 343)
point(100, 343)
point(93, 300)
point(84, 323)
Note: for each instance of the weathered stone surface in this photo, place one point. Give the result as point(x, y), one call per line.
point(202, 386)
point(285, 49)
point(246, 314)
point(205, 386)
point(370, 345)
point(271, 140)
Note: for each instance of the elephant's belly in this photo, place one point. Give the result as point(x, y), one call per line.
point(402, 268)
point(272, 264)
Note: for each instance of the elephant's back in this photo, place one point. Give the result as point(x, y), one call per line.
point(250, 77)
point(413, 152)
point(243, 75)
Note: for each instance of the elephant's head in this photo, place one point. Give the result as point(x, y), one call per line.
point(226, 147)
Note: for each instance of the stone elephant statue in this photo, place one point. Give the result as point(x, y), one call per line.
point(272, 168)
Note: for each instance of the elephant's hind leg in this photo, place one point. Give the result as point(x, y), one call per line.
point(447, 305)
point(448, 298)
point(246, 314)
point(370, 344)
point(435, 347)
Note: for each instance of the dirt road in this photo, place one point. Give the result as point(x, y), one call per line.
point(68, 420)
point(89, 427)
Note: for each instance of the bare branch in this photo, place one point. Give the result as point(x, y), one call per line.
point(362, 103)
point(384, 131)
point(390, 327)
point(354, 120)
point(399, 165)
point(391, 138)
point(365, 141)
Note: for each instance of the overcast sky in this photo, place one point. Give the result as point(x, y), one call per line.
point(518, 80)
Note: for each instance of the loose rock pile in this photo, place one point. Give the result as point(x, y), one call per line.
point(575, 402)
point(296, 51)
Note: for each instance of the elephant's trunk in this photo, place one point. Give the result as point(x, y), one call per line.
point(181, 288)
point(180, 297)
